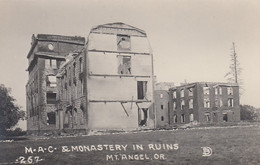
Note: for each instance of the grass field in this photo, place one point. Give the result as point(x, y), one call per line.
point(230, 145)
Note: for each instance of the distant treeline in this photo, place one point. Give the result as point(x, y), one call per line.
point(249, 113)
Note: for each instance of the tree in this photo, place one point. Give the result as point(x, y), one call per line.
point(233, 76)
point(248, 112)
point(10, 113)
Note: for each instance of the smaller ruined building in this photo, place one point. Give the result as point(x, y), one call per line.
point(162, 111)
point(204, 102)
point(161, 103)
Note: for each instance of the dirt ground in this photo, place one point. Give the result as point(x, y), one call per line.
point(229, 145)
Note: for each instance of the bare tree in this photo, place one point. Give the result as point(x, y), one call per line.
point(233, 76)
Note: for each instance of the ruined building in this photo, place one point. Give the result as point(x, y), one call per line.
point(204, 102)
point(162, 111)
point(119, 78)
point(105, 83)
point(161, 103)
point(71, 98)
point(45, 57)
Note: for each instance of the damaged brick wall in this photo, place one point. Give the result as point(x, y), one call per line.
point(211, 103)
point(71, 87)
point(45, 57)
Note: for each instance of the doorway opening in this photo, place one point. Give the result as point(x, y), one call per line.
point(143, 115)
point(225, 117)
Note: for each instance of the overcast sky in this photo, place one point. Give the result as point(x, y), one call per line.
point(191, 39)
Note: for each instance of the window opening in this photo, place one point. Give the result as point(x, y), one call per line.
point(141, 89)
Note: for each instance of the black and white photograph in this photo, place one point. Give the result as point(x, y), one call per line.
point(90, 82)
